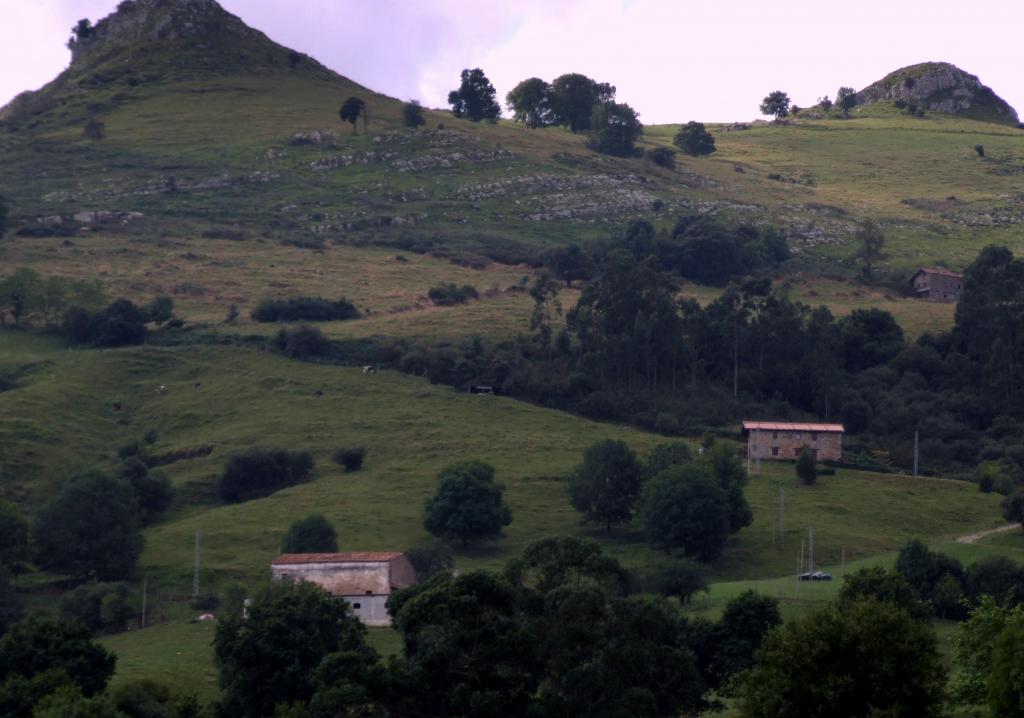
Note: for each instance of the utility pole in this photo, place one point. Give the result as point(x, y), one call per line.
point(844, 561)
point(810, 550)
point(915, 452)
point(800, 565)
point(782, 515)
point(145, 586)
point(195, 577)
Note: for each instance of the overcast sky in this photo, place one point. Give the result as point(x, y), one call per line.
point(672, 60)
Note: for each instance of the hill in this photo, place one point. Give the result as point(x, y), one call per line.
point(940, 87)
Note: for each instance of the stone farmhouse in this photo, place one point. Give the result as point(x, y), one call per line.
point(784, 440)
point(364, 579)
point(937, 285)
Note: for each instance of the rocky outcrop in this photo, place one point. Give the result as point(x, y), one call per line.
point(940, 87)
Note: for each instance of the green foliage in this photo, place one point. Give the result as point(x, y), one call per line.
point(685, 508)
point(350, 457)
point(121, 323)
point(276, 656)
point(728, 472)
point(530, 103)
point(871, 246)
point(805, 470)
point(870, 658)
point(446, 295)
point(430, 558)
point(149, 699)
point(776, 104)
point(70, 703)
point(973, 646)
point(980, 150)
point(694, 139)
point(152, 489)
point(1006, 683)
point(1013, 506)
point(664, 456)
point(474, 99)
point(606, 486)
point(870, 337)
point(574, 97)
point(100, 606)
point(302, 342)
point(13, 536)
point(883, 585)
point(468, 505)
point(412, 114)
point(91, 527)
point(616, 129)
point(313, 534)
point(674, 576)
point(924, 570)
point(996, 576)
point(351, 110)
point(551, 563)
point(309, 309)
point(160, 310)
point(258, 472)
point(570, 263)
point(736, 637)
point(24, 295)
point(846, 99)
point(11, 608)
point(663, 157)
point(40, 645)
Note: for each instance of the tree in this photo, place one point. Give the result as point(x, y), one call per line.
point(91, 527)
point(868, 659)
point(1006, 683)
point(883, 585)
point(313, 534)
point(474, 99)
point(550, 563)
point(738, 634)
point(869, 338)
point(973, 646)
point(694, 139)
point(924, 569)
point(675, 576)
point(570, 263)
point(665, 456)
point(997, 576)
point(663, 157)
point(617, 128)
point(574, 97)
point(19, 294)
point(160, 310)
point(805, 470)
point(1013, 506)
point(351, 458)
point(606, 486)
point(846, 99)
point(871, 246)
point(825, 103)
point(80, 31)
point(530, 103)
point(728, 472)
point(685, 508)
point(37, 646)
point(153, 490)
point(274, 655)
point(412, 114)
point(468, 505)
point(351, 110)
point(775, 104)
point(68, 702)
point(430, 558)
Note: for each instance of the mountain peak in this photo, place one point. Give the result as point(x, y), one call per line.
point(940, 87)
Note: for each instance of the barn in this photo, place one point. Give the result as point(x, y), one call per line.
point(785, 440)
point(937, 285)
point(364, 579)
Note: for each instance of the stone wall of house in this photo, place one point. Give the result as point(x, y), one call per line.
point(340, 578)
point(371, 610)
point(768, 444)
point(938, 287)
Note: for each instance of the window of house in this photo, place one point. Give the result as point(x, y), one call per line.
point(775, 435)
point(797, 436)
point(775, 451)
point(369, 593)
point(357, 605)
point(814, 436)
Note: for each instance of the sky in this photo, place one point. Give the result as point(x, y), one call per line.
point(671, 60)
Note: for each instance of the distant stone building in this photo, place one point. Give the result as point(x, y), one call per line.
point(364, 579)
point(784, 440)
point(937, 285)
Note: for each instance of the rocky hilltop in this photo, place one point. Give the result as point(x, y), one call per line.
point(940, 87)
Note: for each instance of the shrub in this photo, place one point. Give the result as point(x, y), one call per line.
point(448, 294)
point(980, 149)
point(256, 473)
point(302, 342)
point(94, 130)
point(805, 470)
point(663, 157)
point(351, 458)
point(694, 139)
point(313, 534)
point(153, 490)
point(412, 114)
point(1013, 506)
point(100, 606)
point(311, 309)
point(429, 558)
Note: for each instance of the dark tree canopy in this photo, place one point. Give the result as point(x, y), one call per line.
point(776, 104)
point(468, 505)
point(37, 646)
point(275, 656)
point(530, 103)
point(13, 536)
point(570, 263)
point(351, 110)
point(258, 472)
point(550, 563)
point(884, 585)
point(605, 488)
point(805, 470)
point(694, 139)
point(616, 129)
point(1006, 682)
point(474, 99)
point(412, 114)
point(744, 624)
point(846, 99)
point(685, 508)
point(90, 528)
point(871, 246)
point(574, 97)
point(313, 534)
point(870, 658)
point(870, 337)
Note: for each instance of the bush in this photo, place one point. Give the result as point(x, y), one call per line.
point(663, 157)
point(805, 470)
point(152, 489)
point(100, 606)
point(121, 323)
point(448, 294)
point(260, 472)
point(412, 114)
point(313, 534)
point(94, 130)
point(980, 149)
point(312, 309)
point(1013, 506)
point(350, 458)
point(429, 558)
point(302, 342)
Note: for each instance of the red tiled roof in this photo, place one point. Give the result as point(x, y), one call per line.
point(790, 426)
point(943, 272)
point(350, 557)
